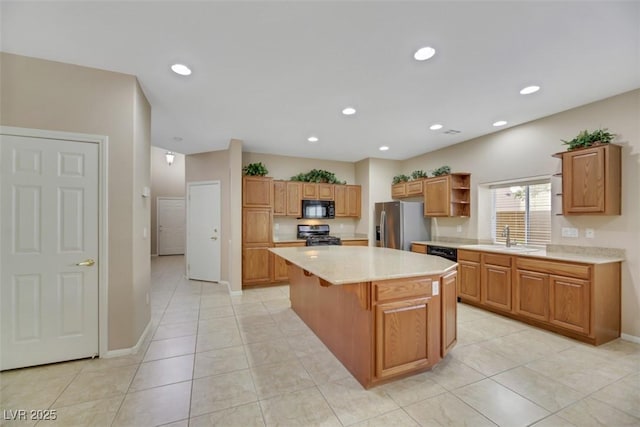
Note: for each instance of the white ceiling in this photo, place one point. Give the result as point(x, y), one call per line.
point(274, 73)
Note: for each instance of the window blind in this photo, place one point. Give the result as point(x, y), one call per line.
point(526, 208)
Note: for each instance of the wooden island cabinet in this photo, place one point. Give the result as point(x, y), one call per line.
point(383, 313)
point(577, 299)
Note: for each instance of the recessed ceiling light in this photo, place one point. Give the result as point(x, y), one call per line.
point(500, 123)
point(435, 126)
point(349, 111)
point(181, 69)
point(424, 53)
point(383, 148)
point(529, 90)
point(312, 139)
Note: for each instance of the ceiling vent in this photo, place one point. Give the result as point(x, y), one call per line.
point(451, 132)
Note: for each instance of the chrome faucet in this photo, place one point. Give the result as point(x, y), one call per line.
point(506, 233)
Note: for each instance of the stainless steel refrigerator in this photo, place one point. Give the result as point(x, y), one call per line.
point(400, 223)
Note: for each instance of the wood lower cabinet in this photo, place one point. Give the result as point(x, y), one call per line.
point(469, 276)
point(449, 319)
point(256, 265)
point(570, 305)
point(532, 295)
point(575, 299)
point(279, 265)
point(419, 248)
point(355, 243)
point(403, 342)
point(495, 284)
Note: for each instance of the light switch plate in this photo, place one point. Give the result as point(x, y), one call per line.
point(435, 288)
point(589, 233)
point(569, 232)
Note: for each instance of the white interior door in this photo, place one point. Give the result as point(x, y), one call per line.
point(49, 244)
point(171, 225)
point(203, 231)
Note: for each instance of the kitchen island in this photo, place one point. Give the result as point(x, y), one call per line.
point(383, 313)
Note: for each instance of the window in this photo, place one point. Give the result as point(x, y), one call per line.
point(526, 208)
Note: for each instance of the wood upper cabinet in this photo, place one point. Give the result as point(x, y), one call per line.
point(347, 200)
point(279, 198)
point(399, 190)
point(532, 295)
point(591, 179)
point(415, 188)
point(257, 191)
point(469, 276)
point(570, 303)
point(325, 191)
point(496, 281)
point(448, 321)
point(310, 191)
point(354, 203)
point(448, 195)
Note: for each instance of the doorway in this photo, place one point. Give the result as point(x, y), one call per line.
point(52, 248)
point(203, 231)
point(171, 235)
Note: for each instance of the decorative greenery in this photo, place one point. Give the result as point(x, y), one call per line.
point(255, 169)
point(442, 170)
point(400, 178)
point(587, 139)
point(318, 175)
point(419, 174)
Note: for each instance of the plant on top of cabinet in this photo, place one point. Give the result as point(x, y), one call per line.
point(318, 175)
point(400, 178)
point(255, 169)
point(586, 139)
point(419, 174)
point(442, 170)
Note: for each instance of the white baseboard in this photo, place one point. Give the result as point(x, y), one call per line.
point(231, 292)
point(131, 350)
point(631, 338)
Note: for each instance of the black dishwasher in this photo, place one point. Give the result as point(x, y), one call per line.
point(444, 252)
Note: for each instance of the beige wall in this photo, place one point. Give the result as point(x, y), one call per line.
point(235, 206)
point(525, 151)
point(214, 166)
point(284, 167)
point(55, 96)
point(166, 181)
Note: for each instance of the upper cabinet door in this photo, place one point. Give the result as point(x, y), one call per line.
point(279, 198)
point(354, 197)
point(437, 196)
point(257, 191)
point(325, 191)
point(591, 181)
point(310, 191)
point(294, 201)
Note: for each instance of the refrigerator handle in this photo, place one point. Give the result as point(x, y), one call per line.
point(383, 228)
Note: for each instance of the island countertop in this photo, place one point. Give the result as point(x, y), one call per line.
point(341, 265)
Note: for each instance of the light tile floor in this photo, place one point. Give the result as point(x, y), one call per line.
point(211, 359)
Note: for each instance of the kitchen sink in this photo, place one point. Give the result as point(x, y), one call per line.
point(502, 248)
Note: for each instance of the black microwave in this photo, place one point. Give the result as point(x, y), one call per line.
point(318, 209)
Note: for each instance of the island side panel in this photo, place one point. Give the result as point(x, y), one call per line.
point(339, 316)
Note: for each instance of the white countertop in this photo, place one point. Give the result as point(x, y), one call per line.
point(340, 265)
point(544, 254)
point(454, 245)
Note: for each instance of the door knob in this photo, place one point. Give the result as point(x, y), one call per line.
point(86, 263)
point(214, 238)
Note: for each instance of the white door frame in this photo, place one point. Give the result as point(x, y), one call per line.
point(158, 218)
point(103, 223)
point(188, 206)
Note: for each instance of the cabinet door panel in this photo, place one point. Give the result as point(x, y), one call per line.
point(437, 200)
point(353, 200)
point(469, 280)
point(341, 200)
point(279, 198)
point(325, 191)
point(532, 295)
point(399, 190)
point(583, 181)
point(294, 199)
point(570, 303)
point(496, 287)
point(256, 264)
point(257, 191)
point(405, 338)
point(310, 191)
point(256, 226)
point(448, 296)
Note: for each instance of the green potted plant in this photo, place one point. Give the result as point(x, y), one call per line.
point(586, 139)
point(318, 175)
point(255, 169)
point(400, 178)
point(419, 174)
point(442, 170)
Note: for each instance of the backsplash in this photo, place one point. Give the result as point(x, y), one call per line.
point(283, 226)
point(587, 250)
